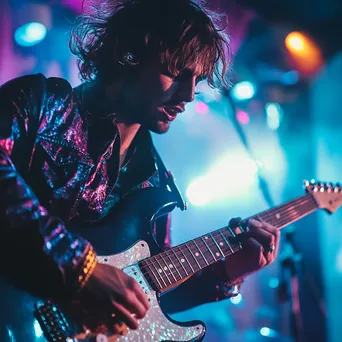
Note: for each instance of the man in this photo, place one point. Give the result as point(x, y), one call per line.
point(71, 154)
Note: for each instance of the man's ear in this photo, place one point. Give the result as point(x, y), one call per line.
point(128, 58)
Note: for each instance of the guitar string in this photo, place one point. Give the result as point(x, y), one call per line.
point(181, 253)
point(163, 273)
point(212, 244)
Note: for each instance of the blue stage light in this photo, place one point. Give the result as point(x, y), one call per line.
point(243, 91)
point(30, 34)
point(236, 300)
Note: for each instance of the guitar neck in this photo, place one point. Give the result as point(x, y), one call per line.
point(171, 267)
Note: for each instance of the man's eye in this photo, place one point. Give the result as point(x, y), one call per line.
point(200, 79)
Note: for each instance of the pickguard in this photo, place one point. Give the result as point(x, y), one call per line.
point(155, 326)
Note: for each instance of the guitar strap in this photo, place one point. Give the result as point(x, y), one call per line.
point(167, 180)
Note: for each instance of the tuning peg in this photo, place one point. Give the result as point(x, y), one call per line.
point(306, 185)
point(329, 187)
point(313, 182)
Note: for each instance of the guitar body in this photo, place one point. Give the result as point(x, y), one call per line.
point(122, 239)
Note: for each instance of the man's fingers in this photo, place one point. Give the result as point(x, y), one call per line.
point(265, 238)
point(268, 234)
point(259, 250)
point(125, 315)
point(141, 296)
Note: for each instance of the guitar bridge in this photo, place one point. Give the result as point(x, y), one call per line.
point(52, 322)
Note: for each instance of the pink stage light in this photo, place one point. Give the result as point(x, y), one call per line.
point(201, 107)
point(242, 117)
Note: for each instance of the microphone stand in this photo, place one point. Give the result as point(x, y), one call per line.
point(289, 289)
point(291, 265)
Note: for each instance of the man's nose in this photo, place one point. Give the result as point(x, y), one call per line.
point(187, 90)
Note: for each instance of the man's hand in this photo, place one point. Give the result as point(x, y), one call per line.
point(260, 248)
point(112, 292)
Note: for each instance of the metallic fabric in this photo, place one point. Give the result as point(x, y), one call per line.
point(44, 133)
point(54, 150)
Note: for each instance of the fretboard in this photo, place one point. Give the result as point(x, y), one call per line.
point(172, 266)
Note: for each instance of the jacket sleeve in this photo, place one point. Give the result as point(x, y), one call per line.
point(56, 258)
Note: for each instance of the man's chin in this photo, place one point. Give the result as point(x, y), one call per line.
point(160, 127)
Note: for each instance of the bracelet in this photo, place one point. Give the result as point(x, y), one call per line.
point(87, 268)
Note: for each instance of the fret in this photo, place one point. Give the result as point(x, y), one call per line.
point(167, 267)
point(289, 212)
point(206, 245)
point(215, 248)
point(232, 240)
point(206, 261)
point(226, 241)
point(148, 266)
point(180, 263)
point(193, 256)
point(218, 244)
point(174, 266)
point(160, 271)
point(185, 258)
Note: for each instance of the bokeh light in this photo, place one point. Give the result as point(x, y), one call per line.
point(30, 34)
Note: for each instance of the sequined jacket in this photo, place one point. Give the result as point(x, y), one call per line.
point(54, 166)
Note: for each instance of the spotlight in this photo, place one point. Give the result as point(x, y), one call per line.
point(274, 113)
point(304, 52)
point(218, 183)
point(267, 332)
point(201, 107)
point(236, 300)
point(30, 34)
point(31, 23)
point(243, 91)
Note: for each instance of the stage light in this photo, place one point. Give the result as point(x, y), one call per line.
point(31, 22)
point(30, 34)
point(199, 192)
point(273, 115)
point(304, 52)
point(201, 107)
point(243, 91)
point(242, 117)
point(290, 77)
point(231, 176)
point(273, 283)
point(37, 329)
point(236, 300)
point(295, 41)
point(267, 332)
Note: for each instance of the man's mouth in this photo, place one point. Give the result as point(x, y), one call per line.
point(172, 112)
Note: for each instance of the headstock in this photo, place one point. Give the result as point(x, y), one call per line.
point(327, 195)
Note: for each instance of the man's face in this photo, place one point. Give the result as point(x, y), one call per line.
point(153, 98)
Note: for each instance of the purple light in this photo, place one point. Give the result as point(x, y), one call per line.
point(201, 107)
point(242, 117)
